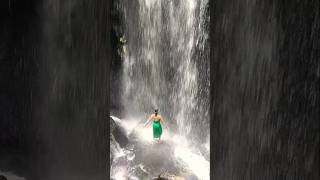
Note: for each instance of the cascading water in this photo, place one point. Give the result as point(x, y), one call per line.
point(166, 65)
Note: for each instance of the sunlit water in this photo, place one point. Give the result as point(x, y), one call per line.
point(166, 66)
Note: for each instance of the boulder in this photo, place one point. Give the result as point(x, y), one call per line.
point(118, 133)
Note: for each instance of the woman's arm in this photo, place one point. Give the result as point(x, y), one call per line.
point(148, 120)
point(150, 117)
point(161, 121)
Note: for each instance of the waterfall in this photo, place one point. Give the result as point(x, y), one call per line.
point(166, 64)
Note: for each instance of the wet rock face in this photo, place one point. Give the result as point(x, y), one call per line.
point(118, 133)
point(157, 158)
point(159, 178)
point(265, 72)
point(141, 159)
point(54, 87)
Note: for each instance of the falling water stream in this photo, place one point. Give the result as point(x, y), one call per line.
point(165, 65)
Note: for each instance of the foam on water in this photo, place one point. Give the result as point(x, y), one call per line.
point(187, 156)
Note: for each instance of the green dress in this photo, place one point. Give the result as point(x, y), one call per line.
point(157, 129)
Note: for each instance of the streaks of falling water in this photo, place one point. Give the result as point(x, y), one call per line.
point(167, 63)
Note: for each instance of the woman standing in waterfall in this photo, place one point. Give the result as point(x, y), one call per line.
point(157, 124)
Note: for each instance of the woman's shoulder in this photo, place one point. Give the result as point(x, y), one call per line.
point(153, 116)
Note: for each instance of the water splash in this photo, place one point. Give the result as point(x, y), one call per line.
point(166, 65)
point(189, 158)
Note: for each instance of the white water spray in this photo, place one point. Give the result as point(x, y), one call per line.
point(166, 66)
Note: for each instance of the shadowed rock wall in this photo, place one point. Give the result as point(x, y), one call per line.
point(55, 110)
point(265, 97)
